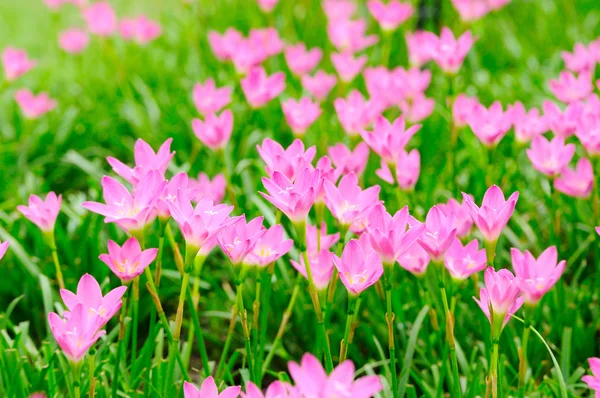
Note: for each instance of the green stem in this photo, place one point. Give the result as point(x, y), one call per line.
point(389, 319)
point(450, 339)
point(174, 347)
point(92, 366)
point(120, 346)
point(349, 318)
point(267, 278)
point(523, 358)
point(493, 377)
point(197, 331)
point(76, 372)
point(490, 252)
point(228, 339)
point(256, 325)
point(159, 259)
point(244, 320)
point(134, 323)
point(51, 241)
point(176, 252)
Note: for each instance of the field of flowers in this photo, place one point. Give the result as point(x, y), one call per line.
point(309, 198)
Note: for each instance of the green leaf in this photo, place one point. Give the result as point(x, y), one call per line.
point(410, 350)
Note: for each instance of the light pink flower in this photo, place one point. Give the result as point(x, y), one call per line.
point(593, 381)
point(490, 125)
point(494, 213)
point(141, 29)
point(338, 9)
point(535, 277)
point(210, 99)
point(381, 85)
point(580, 60)
point(464, 261)
point(527, 124)
point(145, 160)
point(271, 246)
point(224, 45)
point(358, 269)
point(462, 218)
point(248, 54)
point(410, 83)
point(319, 85)
point(422, 46)
point(204, 186)
point(550, 157)
point(267, 5)
point(348, 35)
point(100, 18)
point(415, 260)
point(34, 106)
point(464, 108)
point(16, 63)
point(387, 139)
point(438, 235)
point(289, 161)
point(321, 268)
point(300, 114)
point(73, 41)
point(128, 261)
point(471, 10)
point(237, 239)
point(568, 88)
point(215, 131)
point(417, 109)
point(390, 15)
point(180, 181)
point(208, 389)
point(300, 60)
point(276, 389)
point(293, 199)
point(326, 172)
point(260, 88)
point(562, 123)
point(42, 213)
point(577, 183)
point(450, 52)
point(347, 66)
point(348, 202)
point(354, 112)
point(588, 132)
point(347, 161)
point(408, 168)
point(327, 241)
point(268, 39)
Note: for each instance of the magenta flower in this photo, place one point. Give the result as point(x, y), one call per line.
point(293, 199)
point(16, 63)
point(438, 235)
point(300, 114)
point(42, 213)
point(464, 108)
point(204, 186)
point(141, 29)
point(238, 239)
point(319, 85)
point(326, 172)
point(408, 168)
point(145, 160)
point(415, 260)
point(471, 10)
point(180, 181)
point(349, 35)
point(73, 41)
point(327, 241)
point(347, 161)
point(449, 52)
point(288, 161)
point(224, 45)
point(535, 277)
point(354, 112)
point(588, 133)
point(267, 5)
point(358, 269)
point(215, 131)
point(300, 60)
point(3, 248)
point(562, 123)
point(527, 124)
point(260, 88)
point(494, 213)
point(321, 268)
point(210, 99)
point(568, 88)
point(410, 83)
point(34, 106)
point(464, 261)
point(248, 54)
point(577, 183)
point(100, 18)
point(417, 109)
point(208, 389)
point(128, 261)
point(593, 381)
point(462, 219)
point(276, 389)
point(422, 46)
point(271, 246)
point(381, 85)
point(582, 59)
point(268, 39)
point(130, 211)
point(348, 202)
point(490, 125)
point(338, 9)
point(390, 15)
point(347, 66)
point(387, 139)
point(550, 157)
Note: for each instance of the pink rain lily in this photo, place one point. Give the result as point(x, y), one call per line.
point(204, 186)
point(321, 268)
point(408, 168)
point(215, 131)
point(169, 194)
point(417, 109)
point(224, 45)
point(238, 239)
point(462, 219)
point(381, 85)
point(289, 161)
point(593, 380)
point(499, 299)
point(415, 260)
point(588, 133)
point(438, 235)
point(100, 18)
point(562, 123)
point(260, 88)
point(463, 109)
point(348, 35)
point(387, 139)
point(490, 125)
point(390, 15)
point(267, 5)
point(494, 213)
point(248, 54)
point(268, 39)
point(319, 85)
point(568, 88)
point(327, 241)
point(577, 183)
point(276, 389)
point(347, 66)
point(300, 60)
point(550, 157)
point(354, 112)
point(34, 106)
point(3, 248)
point(145, 160)
point(347, 161)
point(527, 124)
point(338, 9)
point(141, 29)
point(535, 277)
point(582, 59)
point(16, 63)
point(348, 202)
point(357, 269)
point(411, 83)
point(208, 389)
point(128, 261)
point(450, 52)
point(293, 199)
point(326, 172)
point(210, 99)
point(73, 41)
point(464, 261)
point(300, 114)
point(422, 46)
point(271, 246)
point(471, 10)
point(42, 213)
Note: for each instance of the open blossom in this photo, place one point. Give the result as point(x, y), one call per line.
point(438, 235)
point(349, 35)
point(145, 160)
point(224, 45)
point(471, 10)
point(42, 213)
point(390, 15)
point(348, 161)
point(208, 98)
point(16, 63)
point(535, 277)
point(410, 83)
point(319, 85)
point(582, 59)
point(354, 112)
point(415, 260)
point(34, 106)
point(462, 218)
point(338, 9)
point(321, 268)
point(562, 123)
point(387, 139)
point(100, 18)
point(501, 297)
point(417, 109)
point(300, 114)
point(326, 172)
point(577, 183)
point(421, 47)
point(73, 41)
point(293, 199)
point(301, 60)
point(209, 389)
point(237, 239)
point(3, 248)
point(327, 241)
point(215, 131)
point(464, 261)
point(268, 39)
point(271, 246)
point(381, 85)
point(347, 66)
point(289, 161)
point(588, 132)
point(358, 268)
point(463, 109)
point(348, 202)
point(450, 52)
point(260, 88)
point(277, 389)
point(267, 5)
point(408, 168)
point(169, 194)
point(128, 261)
point(527, 124)
point(550, 157)
point(141, 29)
point(490, 125)
point(204, 186)
point(568, 88)
point(494, 213)
point(593, 381)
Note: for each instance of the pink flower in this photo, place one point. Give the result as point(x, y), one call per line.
point(293, 199)
point(267, 5)
point(73, 41)
point(593, 381)
point(34, 106)
point(581, 60)
point(237, 239)
point(347, 161)
point(411, 83)
point(128, 261)
point(224, 45)
point(415, 260)
point(550, 157)
point(268, 39)
point(408, 167)
point(16, 63)
point(358, 269)
point(260, 88)
point(248, 54)
point(464, 108)
point(438, 235)
point(528, 125)
point(319, 85)
point(390, 15)
point(354, 112)
point(535, 277)
point(145, 160)
point(494, 213)
point(326, 172)
point(338, 9)
point(169, 194)
point(210, 99)
point(300, 60)
point(422, 46)
point(577, 183)
point(347, 66)
point(381, 85)
point(290, 161)
point(208, 389)
point(300, 114)
point(588, 132)
point(204, 186)
point(130, 211)
point(271, 246)
point(42, 213)
point(215, 131)
point(3, 248)
point(140, 29)
point(561, 123)
point(490, 125)
point(462, 218)
point(348, 202)
point(471, 10)
point(276, 389)
point(568, 88)
point(100, 18)
point(387, 139)
point(348, 35)
point(417, 109)
point(464, 261)
point(327, 241)
point(321, 268)
point(449, 52)
point(499, 299)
